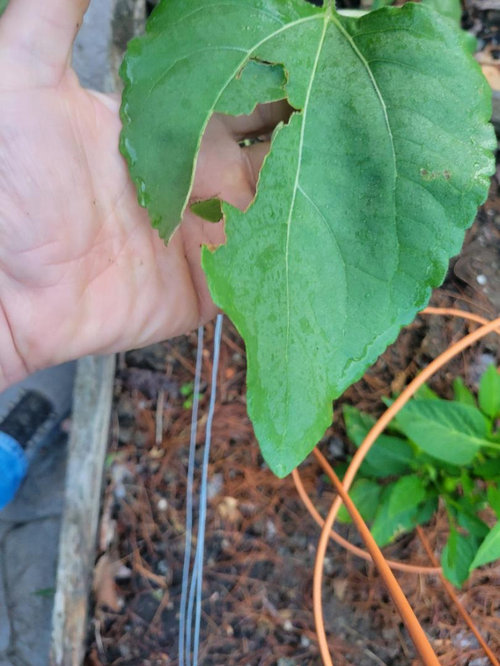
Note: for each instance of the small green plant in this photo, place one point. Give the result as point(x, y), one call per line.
point(187, 392)
point(435, 449)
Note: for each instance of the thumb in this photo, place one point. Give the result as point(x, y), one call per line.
point(36, 39)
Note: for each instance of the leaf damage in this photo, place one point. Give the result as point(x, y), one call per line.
point(347, 233)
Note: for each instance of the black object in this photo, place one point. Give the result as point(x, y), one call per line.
point(27, 417)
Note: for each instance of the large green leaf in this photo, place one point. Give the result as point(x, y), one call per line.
point(447, 430)
point(365, 195)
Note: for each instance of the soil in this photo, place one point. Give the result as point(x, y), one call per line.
point(260, 541)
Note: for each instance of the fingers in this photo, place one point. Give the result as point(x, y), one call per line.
point(36, 39)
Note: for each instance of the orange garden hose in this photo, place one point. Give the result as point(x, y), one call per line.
point(374, 553)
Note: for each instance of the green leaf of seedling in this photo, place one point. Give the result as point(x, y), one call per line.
point(446, 430)
point(389, 456)
point(407, 493)
point(365, 494)
point(470, 522)
point(425, 393)
point(462, 393)
point(365, 195)
point(384, 530)
point(387, 527)
point(489, 550)
point(357, 423)
point(457, 557)
point(186, 389)
point(488, 470)
point(3, 5)
point(489, 393)
point(467, 483)
point(426, 510)
point(449, 484)
point(340, 469)
point(493, 495)
point(110, 459)
point(210, 210)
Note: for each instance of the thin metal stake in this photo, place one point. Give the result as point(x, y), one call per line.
point(191, 596)
point(189, 503)
point(202, 517)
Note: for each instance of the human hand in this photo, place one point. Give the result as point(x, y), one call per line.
point(81, 269)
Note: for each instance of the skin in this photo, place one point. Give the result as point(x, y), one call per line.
point(81, 270)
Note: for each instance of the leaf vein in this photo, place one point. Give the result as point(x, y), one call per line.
point(165, 74)
point(423, 187)
point(425, 75)
point(325, 221)
point(414, 112)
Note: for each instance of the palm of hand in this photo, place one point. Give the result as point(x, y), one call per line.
point(81, 270)
point(78, 256)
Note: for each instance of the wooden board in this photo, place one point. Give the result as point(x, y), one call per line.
point(86, 455)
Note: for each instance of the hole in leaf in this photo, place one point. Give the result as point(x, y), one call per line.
point(238, 137)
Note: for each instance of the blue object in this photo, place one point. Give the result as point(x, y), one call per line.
point(13, 468)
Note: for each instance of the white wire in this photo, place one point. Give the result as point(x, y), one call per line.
point(189, 501)
point(200, 545)
point(191, 601)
